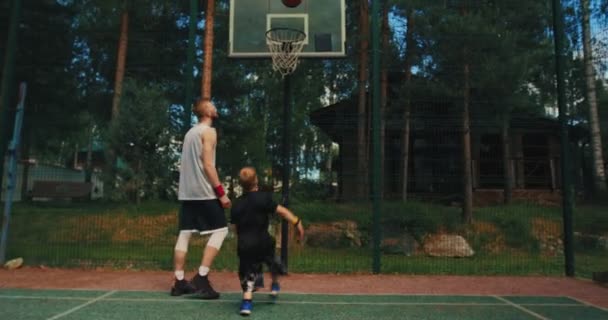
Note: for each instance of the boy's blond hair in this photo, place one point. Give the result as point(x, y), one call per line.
point(248, 178)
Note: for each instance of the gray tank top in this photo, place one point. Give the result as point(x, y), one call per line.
point(193, 182)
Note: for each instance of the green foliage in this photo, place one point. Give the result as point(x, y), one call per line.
point(321, 211)
point(518, 234)
point(67, 53)
point(591, 220)
point(142, 137)
point(309, 190)
point(419, 219)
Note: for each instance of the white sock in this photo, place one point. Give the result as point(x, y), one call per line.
point(179, 274)
point(203, 271)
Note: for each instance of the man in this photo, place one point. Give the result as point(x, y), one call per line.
point(202, 202)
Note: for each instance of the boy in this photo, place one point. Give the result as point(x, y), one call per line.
point(256, 246)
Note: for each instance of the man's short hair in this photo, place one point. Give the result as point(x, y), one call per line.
point(248, 178)
point(198, 108)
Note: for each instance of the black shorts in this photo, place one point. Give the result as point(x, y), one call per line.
point(202, 216)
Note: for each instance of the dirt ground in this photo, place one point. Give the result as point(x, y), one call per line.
point(45, 278)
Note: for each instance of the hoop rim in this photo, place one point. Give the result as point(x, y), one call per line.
point(301, 36)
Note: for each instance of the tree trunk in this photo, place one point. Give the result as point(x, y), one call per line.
point(599, 176)
point(384, 95)
point(405, 149)
point(120, 63)
point(362, 172)
point(208, 51)
point(118, 82)
point(508, 164)
point(467, 185)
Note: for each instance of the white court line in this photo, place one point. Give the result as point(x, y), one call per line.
point(44, 298)
point(63, 314)
point(532, 313)
point(169, 300)
point(588, 303)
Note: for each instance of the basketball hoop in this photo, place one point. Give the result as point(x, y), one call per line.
point(285, 44)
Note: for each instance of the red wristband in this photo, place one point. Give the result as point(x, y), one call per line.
point(219, 191)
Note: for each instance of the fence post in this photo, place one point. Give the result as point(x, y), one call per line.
point(12, 172)
point(8, 73)
point(567, 196)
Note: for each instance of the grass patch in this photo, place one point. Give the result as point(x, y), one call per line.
point(523, 212)
point(305, 261)
point(126, 236)
point(517, 233)
point(591, 220)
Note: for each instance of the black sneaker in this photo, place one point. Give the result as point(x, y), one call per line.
point(203, 288)
point(182, 287)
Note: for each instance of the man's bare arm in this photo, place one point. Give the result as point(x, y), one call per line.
point(209, 140)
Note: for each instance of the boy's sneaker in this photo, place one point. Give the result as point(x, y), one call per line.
point(246, 307)
point(182, 287)
point(203, 287)
point(274, 289)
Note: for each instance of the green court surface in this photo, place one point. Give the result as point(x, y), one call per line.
point(16, 304)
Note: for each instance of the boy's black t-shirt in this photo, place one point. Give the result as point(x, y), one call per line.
point(251, 214)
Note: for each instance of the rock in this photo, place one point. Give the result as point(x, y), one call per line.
point(339, 234)
point(14, 264)
point(405, 244)
point(445, 245)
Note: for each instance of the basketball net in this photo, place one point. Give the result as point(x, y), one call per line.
point(285, 44)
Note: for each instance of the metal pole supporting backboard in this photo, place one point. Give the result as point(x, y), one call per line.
point(286, 167)
point(12, 172)
point(376, 141)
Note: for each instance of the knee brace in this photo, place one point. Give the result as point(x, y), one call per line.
point(217, 238)
point(182, 241)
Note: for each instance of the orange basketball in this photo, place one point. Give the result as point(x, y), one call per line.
point(292, 3)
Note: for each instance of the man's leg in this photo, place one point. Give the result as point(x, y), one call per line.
point(181, 286)
point(180, 252)
point(213, 248)
point(201, 281)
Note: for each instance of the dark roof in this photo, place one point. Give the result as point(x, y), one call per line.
point(341, 117)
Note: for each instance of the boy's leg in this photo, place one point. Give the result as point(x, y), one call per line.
point(276, 269)
point(247, 277)
point(275, 287)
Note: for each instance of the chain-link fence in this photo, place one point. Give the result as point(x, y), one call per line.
point(470, 148)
